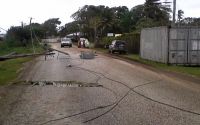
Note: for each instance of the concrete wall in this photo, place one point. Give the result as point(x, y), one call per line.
point(154, 44)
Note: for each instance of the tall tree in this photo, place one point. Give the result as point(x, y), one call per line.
point(88, 15)
point(154, 9)
point(51, 26)
point(94, 23)
point(72, 27)
point(136, 13)
point(151, 9)
point(180, 15)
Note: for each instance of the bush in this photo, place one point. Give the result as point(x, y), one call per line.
point(132, 39)
point(108, 40)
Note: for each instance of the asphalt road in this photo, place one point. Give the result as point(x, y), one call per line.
point(99, 91)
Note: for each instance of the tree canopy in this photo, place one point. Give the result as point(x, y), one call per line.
point(97, 21)
point(21, 35)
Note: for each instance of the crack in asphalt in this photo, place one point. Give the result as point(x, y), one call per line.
point(133, 90)
point(116, 103)
point(64, 83)
point(113, 105)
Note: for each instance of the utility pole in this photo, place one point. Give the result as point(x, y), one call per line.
point(174, 13)
point(32, 35)
point(22, 24)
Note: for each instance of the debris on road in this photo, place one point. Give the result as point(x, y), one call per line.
point(51, 49)
point(87, 55)
point(63, 83)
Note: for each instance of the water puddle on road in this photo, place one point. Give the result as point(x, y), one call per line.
point(63, 84)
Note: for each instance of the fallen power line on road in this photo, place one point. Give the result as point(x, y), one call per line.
point(7, 57)
point(116, 103)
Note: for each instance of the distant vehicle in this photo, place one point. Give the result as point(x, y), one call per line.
point(83, 43)
point(118, 46)
point(66, 42)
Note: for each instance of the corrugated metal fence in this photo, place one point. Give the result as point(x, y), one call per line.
point(178, 45)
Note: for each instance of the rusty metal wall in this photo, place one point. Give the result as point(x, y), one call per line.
point(154, 44)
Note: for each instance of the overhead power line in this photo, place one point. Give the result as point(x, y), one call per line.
point(3, 29)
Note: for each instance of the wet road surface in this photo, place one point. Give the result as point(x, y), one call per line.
point(67, 90)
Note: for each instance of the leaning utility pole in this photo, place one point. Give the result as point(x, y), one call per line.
point(32, 35)
point(174, 13)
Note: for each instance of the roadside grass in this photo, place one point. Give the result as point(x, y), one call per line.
point(188, 70)
point(4, 49)
point(9, 69)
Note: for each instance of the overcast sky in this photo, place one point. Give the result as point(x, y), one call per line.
point(13, 12)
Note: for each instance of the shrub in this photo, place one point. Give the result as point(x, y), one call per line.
point(132, 39)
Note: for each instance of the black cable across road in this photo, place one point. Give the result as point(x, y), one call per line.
point(115, 104)
point(133, 90)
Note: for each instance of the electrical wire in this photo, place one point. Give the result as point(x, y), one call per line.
point(115, 104)
point(80, 113)
point(35, 36)
point(133, 90)
point(101, 107)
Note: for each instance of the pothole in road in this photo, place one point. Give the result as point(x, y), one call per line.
point(63, 84)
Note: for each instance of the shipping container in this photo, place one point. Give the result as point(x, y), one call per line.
point(177, 45)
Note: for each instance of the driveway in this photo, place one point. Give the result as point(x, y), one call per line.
point(67, 90)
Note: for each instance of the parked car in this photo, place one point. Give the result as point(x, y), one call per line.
point(83, 43)
point(66, 42)
point(118, 46)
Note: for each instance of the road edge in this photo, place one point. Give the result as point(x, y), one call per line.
point(170, 74)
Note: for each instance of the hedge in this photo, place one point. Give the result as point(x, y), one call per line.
point(132, 39)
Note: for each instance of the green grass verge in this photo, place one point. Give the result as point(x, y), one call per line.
point(4, 49)
point(9, 69)
point(192, 71)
